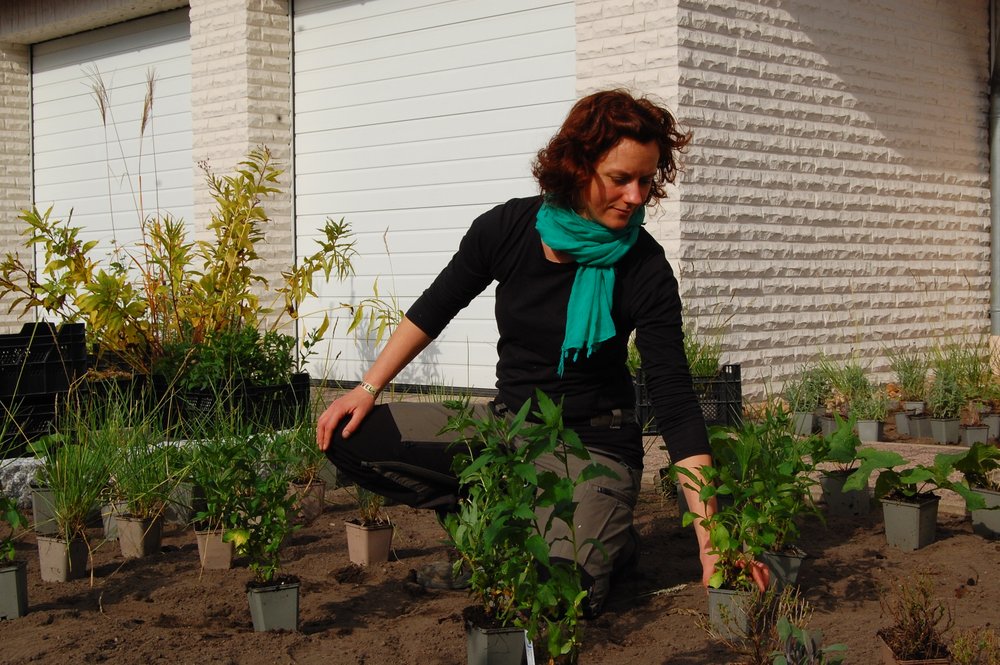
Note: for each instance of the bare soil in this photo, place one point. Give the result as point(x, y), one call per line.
point(163, 609)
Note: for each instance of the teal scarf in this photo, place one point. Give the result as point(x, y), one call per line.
point(596, 249)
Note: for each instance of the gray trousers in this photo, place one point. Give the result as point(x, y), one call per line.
point(399, 452)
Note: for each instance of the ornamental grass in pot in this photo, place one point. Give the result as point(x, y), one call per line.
point(369, 535)
point(805, 394)
point(77, 472)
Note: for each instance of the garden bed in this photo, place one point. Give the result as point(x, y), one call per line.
point(159, 609)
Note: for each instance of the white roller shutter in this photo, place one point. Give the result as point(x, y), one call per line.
point(109, 172)
point(411, 118)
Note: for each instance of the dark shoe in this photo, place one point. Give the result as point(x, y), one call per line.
point(441, 575)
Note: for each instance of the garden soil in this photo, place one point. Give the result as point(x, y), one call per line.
point(163, 609)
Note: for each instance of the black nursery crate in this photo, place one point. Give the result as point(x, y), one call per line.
point(720, 397)
point(278, 406)
point(28, 418)
point(41, 359)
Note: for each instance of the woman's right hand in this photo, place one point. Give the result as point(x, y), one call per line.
point(356, 404)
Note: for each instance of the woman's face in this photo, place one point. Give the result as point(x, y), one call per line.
point(620, 184)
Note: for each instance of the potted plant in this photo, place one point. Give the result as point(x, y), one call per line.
point(847, 381)
point(805, 394)
point(981, 469)
point(369, 535)
point(909, 504)
point(265, 514)
point(223, 471)
point(945, 400)
point(972, 428)
point(77, 474)
point(140, 482)
point(837, 457)
point(500, 527)
point(13, 573)
point(761, 467)
point(910, 367)
point(869, 409)
point(308, 463)
point(919, 624)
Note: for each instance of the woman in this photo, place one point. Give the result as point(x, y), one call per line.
point(576, 275)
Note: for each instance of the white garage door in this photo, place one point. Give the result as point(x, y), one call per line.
point(107, 168)
point(411, 118)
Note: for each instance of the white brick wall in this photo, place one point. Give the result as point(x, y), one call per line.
point(241, 98)
point(836, 198)
point(633, 44)
point(15, 154)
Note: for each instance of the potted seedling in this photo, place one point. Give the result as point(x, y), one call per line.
point(766, 472)
point(369, 535)
point(919, 624)
point(869, 409)
point(804, 394)
point(77, 474)
point(308, 462)
point(945, 400)
point(909, 504)
point(507, 507)
point(223, 470)
point(13, 573)
point(838, 457)
point(910, 368)
point(266, 513)
point(141, 482)
point(981, 470)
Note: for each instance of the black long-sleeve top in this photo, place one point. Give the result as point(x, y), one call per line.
point(531, 300)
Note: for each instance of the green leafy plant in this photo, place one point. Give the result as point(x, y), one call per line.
point(840, 448)
point(919, 623)
point(801, 647)
point(496, 529)
point(166, 289)
point(266, 510)
point(14, 521)
point(224, 471)
point(980, 466)
point(913, 482)
point(764, 472)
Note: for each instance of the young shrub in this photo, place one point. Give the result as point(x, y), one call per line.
point(919, 623)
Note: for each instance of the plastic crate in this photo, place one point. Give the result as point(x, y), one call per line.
point(278, 407)
point(27, 419)
point(41, 359)
point(720, 397)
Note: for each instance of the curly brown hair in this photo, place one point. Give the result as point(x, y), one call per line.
point(596, 124)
